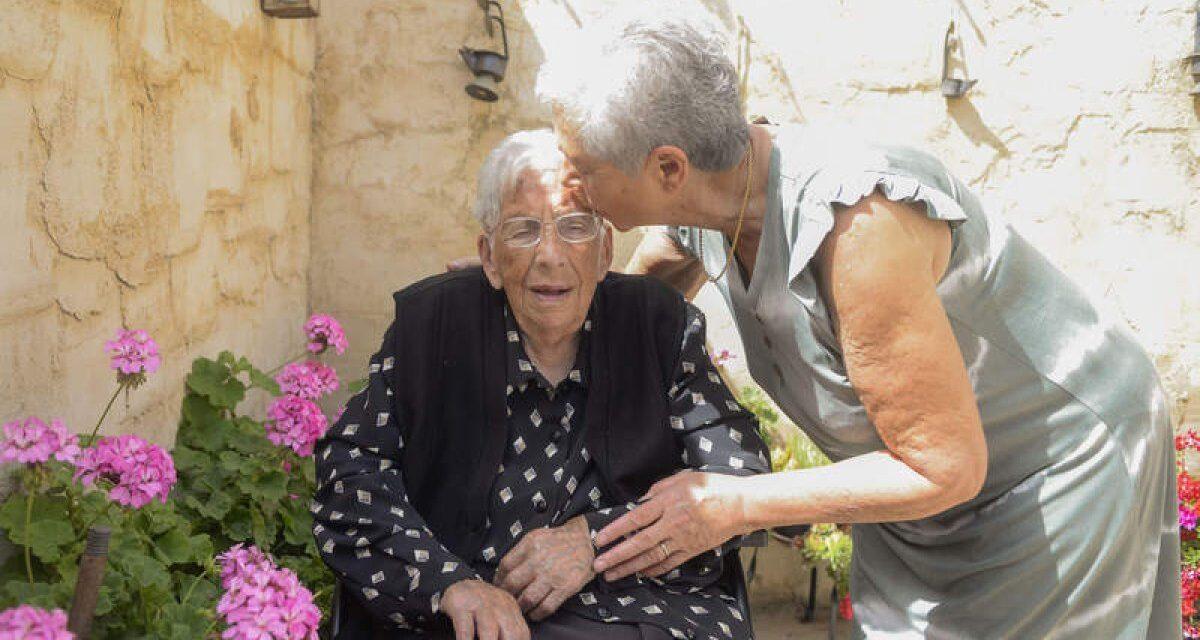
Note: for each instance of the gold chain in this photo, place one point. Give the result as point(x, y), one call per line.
point(737, 233)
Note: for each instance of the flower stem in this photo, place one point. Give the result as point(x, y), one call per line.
point(28, 523)
point(290, 360)
point(92, 438)
point(203, 574)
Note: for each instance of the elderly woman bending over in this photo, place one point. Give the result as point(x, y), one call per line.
point(512, 412)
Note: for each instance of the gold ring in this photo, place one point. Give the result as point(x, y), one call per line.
point(665, 549)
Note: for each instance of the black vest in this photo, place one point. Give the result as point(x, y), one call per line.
point(450, 378)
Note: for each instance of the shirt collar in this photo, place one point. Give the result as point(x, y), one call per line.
point(521, 370)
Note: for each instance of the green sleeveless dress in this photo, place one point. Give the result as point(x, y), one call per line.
point(1075, 532)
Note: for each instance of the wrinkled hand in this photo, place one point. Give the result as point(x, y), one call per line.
point(689, 513)
point(480, 610)
point(548, 566)
point(465, 262)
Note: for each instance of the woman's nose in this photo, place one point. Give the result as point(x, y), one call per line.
point(550, 250)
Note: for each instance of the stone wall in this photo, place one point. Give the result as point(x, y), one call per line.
point(1081, 131)
point(155, 174)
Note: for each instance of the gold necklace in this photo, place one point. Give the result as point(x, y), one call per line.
point(737, 232)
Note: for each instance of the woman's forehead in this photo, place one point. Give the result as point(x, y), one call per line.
point(539, 192)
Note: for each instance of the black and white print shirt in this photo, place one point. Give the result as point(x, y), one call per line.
point(547, 477)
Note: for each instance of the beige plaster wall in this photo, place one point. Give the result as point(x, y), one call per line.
point(155, 172)
point(1081, 131)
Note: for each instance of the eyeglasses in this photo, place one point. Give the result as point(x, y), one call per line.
point(524, 232)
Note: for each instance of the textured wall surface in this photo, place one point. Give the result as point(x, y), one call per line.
point(154, 173)
point(1081, 131)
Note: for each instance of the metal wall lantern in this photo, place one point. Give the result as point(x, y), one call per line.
point(291, 8)
point(488, 67)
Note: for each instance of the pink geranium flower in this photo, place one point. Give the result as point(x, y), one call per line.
point(309, 380)
point(134, 354)
point(32, 441)
point(295, 422)
point(30, 623)
point(262, 601)
point(138, 471)
point(1187, 517)
point(324, 332)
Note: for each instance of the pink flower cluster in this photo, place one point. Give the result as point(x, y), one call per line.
point(139, 471)
point(30, 623)
point(324, 332)
point(134, 354)
point(32, 442)
point(263, 601)
point(309, 380)
point(295, 422)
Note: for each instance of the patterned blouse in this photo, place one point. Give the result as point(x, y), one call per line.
point(547, 477)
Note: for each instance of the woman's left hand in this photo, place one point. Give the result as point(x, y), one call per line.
point(680, 517)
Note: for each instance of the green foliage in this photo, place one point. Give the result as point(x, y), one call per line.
point(830, 545)
point(161, 582)
point(151, 549)
point(790, 448)
point(235, 486)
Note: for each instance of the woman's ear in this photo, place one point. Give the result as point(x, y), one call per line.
point(605, 259)
point(668, 167)
point(487, 260)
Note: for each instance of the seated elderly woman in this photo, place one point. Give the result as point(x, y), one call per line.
point(512, 412)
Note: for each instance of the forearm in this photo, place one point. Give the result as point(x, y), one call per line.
point(873, 487)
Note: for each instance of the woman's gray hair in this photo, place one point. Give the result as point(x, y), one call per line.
point(649, 82)
point(501, 172)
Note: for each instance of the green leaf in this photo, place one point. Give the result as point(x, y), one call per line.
point(237, 524)
point(48, 538)
point(216, 507)
point(197, 409)
point(217, 381)
point(271, 486)
point(264, 382)
point(38, 594)
point(144, 571)
point(202, 547)
point(174, 547)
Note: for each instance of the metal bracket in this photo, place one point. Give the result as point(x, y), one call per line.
point(954, 87)
point(1194, 58)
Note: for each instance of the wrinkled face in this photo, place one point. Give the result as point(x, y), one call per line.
point(625, 201)
point(550, 285)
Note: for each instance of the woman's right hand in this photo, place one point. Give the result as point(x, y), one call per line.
point(480, 610)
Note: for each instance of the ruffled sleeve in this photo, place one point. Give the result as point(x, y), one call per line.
point(834, 186)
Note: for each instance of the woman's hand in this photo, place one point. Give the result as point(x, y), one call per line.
point(680, 518)
point(548, 566)
point(479, 610)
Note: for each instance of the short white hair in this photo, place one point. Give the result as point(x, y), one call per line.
point(644, 82)
point(501, 172)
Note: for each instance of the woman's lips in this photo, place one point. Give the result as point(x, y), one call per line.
point(549, 293)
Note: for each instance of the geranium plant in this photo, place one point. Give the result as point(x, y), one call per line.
point(231, 480)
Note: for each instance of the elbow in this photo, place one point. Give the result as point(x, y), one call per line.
point(959, 484)
point(967, 485)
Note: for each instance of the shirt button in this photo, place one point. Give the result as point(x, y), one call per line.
point(540, 505)
point(603, 612)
